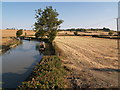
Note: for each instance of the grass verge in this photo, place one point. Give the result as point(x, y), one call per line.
point(9, 45)
point(48, 74)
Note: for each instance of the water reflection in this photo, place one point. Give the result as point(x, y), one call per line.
point(38, 49)
point(18, 63)
point(8, 51)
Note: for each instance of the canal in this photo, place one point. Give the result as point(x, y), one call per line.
point(18, 63)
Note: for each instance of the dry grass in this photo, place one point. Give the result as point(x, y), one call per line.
point(92, 58)
point(5, 41)
point(9, 33)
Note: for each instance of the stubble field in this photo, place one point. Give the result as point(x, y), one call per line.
point(6, 34)
point(93, 61)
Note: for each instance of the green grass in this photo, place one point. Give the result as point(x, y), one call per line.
point(48, 74)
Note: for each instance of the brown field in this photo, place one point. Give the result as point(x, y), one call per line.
point(82, 33)
point(6, 34)
point(12, 33)
point(93, 61)
point(5, 41)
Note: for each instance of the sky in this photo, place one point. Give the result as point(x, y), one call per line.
point(21, 15)
point(60, 0)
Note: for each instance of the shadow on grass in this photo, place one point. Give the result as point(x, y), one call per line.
point(106, 69)
point(49, 49)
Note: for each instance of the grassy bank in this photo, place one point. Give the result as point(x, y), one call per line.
point(49, 73)
point(9, 44)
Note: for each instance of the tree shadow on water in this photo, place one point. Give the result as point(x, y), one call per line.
point(12, 80)
point(106, 69)
point(49, 50)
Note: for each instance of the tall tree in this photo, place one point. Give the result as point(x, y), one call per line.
point(47, 23)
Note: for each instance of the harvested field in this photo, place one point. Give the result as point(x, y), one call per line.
point(7, 41)
point(9, 33)
point(12, 33)
point(60, 33)
point(6, 34)
point(94, 61)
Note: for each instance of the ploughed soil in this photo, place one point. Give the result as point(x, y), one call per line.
point(92, 61)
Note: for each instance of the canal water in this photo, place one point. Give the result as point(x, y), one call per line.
point(18, 63)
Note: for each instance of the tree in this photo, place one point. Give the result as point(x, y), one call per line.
point(110, 33)
point(47, 23)
point(118, 32)
point(106, 29)
point(25, 34)
point(76, 33)
point(19, 33)
point(40, 34)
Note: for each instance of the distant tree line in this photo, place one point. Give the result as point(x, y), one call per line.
point(10, 28)
point(14, 29)
point(84, 30)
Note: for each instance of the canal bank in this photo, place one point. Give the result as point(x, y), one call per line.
point(49, 73)
point(9, 45)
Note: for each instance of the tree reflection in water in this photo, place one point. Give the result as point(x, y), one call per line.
point(38, 49)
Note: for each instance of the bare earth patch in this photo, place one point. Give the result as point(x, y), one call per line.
point(94, 61)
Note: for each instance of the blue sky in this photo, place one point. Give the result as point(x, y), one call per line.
point(75, 14)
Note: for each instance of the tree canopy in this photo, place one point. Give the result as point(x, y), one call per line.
point(47, 23)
